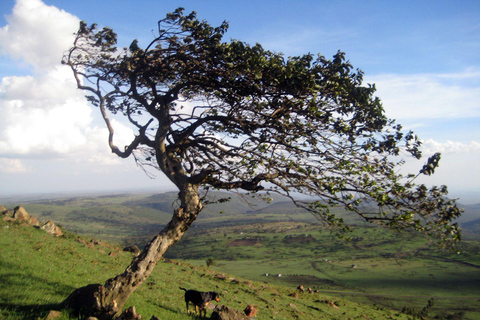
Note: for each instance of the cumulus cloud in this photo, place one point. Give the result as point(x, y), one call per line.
point(44, 115)
point(37, 34)
point(432, 96)
point(41, 114)
point(450, 147)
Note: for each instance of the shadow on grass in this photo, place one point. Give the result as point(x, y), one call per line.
point(19, 292)
point(27, 312)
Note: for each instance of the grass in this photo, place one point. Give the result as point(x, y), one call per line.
point(38, 271)
point(379, 268)
point(392, 272)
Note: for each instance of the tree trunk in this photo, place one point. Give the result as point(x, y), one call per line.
point(107, 301)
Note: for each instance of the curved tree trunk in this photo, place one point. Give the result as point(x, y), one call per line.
point(107, 301)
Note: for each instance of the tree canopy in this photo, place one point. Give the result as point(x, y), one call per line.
point(229, 115)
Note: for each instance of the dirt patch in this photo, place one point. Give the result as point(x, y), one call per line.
point(245, 242)
point(304, 238)
point(312, 281)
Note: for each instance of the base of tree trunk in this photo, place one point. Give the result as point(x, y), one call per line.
point(85, 301)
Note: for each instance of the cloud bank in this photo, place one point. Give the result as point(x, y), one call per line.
point(43, 115)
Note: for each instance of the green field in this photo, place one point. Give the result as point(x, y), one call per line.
point(376, 268)
point(383, 274)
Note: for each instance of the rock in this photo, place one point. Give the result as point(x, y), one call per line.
point(133, 249)
point(130, 314)
point(53, 315)
point(8, 219)
point(332, 304)
point(154, 318)
point(81, 241)
point(34, 222)
point(220, 276)
point(294, 307)
point(301, 288)
point(51, 229)
point(3, 210)
point(227, 313)
point(20, 214)
point(294, 294)
point(91, 318)
point(250, 311)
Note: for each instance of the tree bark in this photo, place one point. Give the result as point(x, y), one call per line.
point(107, 301)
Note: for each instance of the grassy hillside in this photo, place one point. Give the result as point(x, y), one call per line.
point(377, 267)
point(248, 238)
point(38, 271)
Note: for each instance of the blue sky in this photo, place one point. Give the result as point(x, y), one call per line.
point(424, 57)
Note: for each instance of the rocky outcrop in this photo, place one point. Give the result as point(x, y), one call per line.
point(227, 313)
point(130, 314)
point(52, 229)
point(21, 215)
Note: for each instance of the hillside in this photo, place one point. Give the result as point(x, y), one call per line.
point(248, 238)
point(38, 271)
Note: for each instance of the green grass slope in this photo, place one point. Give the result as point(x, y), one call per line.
point(38, 271)
point(377, 267)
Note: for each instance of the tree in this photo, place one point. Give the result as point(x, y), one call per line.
point(228, 115)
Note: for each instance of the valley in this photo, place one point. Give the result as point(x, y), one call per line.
point(276, 243)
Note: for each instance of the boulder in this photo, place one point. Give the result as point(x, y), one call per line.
point(250, 311)
point(8, 219)
point(227, 313)
point(3, 210)
point(53, 314)
point(52, 229)
point(20, 214)
point(34, 222)
point(130, 314)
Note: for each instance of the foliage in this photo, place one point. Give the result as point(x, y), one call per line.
point(209, 262)
point(229, 115)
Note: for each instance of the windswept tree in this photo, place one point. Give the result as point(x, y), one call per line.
point(229, 115)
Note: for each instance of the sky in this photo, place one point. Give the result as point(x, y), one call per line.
point(423, 56)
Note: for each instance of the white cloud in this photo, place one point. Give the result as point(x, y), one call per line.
point(37, 34)
point(44, 115)
point(41, 114)
point(432, 96)
point(450, 147)
point(12, 166)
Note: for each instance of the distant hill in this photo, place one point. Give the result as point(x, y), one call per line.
point(471, 212)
